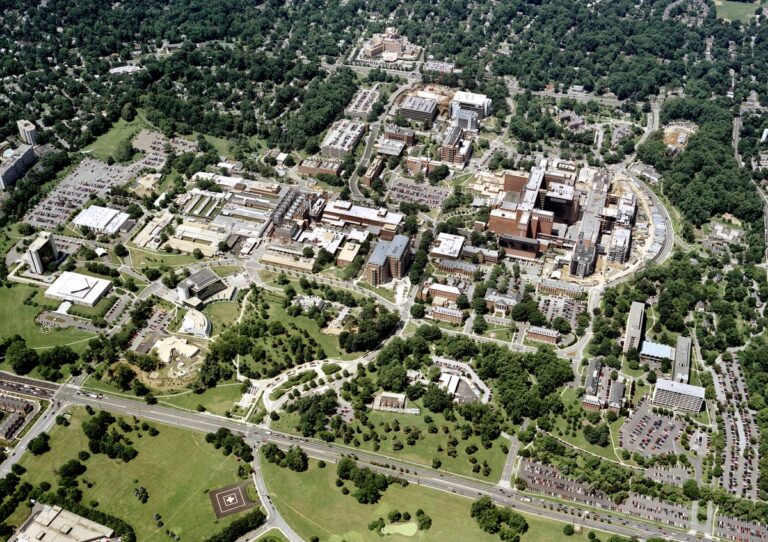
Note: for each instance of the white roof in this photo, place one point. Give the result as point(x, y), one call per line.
point(78, 288)
point(448, 245)
point(679, 387)
point(101, 218)
point(470, 98)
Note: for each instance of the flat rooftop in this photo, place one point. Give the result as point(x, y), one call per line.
point(678, 387)
point(416, 103)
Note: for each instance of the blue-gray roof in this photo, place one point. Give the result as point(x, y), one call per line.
point(379, 254)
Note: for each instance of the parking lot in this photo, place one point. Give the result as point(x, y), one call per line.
point(155, 330)
point(89, 177)
point(737, 529)
point(740, 461)
point(650, 434)
point(432, 196)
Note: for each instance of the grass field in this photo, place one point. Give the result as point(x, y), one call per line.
point(217, 400)
point(19, 319)
point(177, 468)
point(426, 448)
point(572, 404)
point(273, 535)
point(106, 144)
point(737, 11)
point(226, 270)
point(141, 258)
point(313, 506)
point(222, 314)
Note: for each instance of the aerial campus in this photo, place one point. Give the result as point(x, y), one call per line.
point(437, 271)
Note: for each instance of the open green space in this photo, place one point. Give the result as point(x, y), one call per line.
point(176, 467)
point(313, 506)
point(106, 144)
point(141, 257)
point(222, 314)
point(563, 431)
point(737, 11)
point(226, 270)
point(427, 447)
point(273, 535)
point(19, 319)
point(217, 400)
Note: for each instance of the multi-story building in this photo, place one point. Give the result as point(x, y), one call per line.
point(446, 314)
point(584, 259)
point(455, 149)
point(342, 213)
point(467, 119)
point(418, 108)
point(398, 133)
point(454, 267)
point(682, 367)
point(101, 219)
point(200, 286)
point(634, 332)
point(653, 353)
point(342, 138)
point(618, 250)
point(373, 171)
point(316, 166)
point(362, 103)
point(542, 334)
point(447, 245)
point(678, 396)
point(347, 254)
point(469, 101)
point(27, 132)
point(560, 288)
point(389, 260)
point(42, 252)
point(14, 164)
point(390, 41)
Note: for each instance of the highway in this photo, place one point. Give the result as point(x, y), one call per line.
point(68, 395)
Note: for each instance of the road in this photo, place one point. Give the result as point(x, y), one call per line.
point(370, 143)
point(68, 395)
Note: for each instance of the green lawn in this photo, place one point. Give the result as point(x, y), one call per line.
point(106, 144)
point(313, 506)
point(177, 468)
point(737, 11)
point(572, 404)
point(226, 270)
point(217, 400)
point(141, 258)
point(273, 535)
point(426, 448)
point(222, 314)
point(19, 319)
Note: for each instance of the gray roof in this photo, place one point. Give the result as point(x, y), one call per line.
point(202, 279)
point(398, 246)
point(379, 254)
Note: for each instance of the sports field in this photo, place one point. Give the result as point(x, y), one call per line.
point(176, 467)
point(737, 11)
point(313, 506)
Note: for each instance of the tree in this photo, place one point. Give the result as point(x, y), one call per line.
point(691, 489)
point(436, 399)
point(120, 250)
point(296, 459)
point(198, 254)
point(21, 359)
point(40, 444)
point(124, 151)
point(393, 377)
point(418, 310)
point(128, 113)
point(568, 530)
